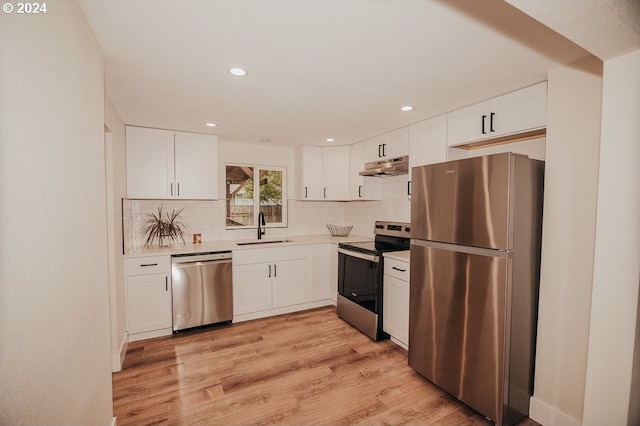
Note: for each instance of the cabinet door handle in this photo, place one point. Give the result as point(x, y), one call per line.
point(491, 122)
point(360, 191)
point(305, 192)
point(484, 117)
point(144, 265)
point(384, 146)
point(409, 188)
point(325, 192)
point(171, 188)
point(379, 150)
point(269, 271)
point(398, 269)
point(275, 271)
point(166, 284)
point(178, 189)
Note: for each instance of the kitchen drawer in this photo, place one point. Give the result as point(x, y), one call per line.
point(148, 265)
point(396, 268)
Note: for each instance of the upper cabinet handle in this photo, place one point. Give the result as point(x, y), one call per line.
point(384, 145)
point(398, 269)
point(491, 122)
point(484, 117)
point(178, 189)
point(379, 150)
point(305, 192)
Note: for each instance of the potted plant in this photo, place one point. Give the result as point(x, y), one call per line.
point(163, 227)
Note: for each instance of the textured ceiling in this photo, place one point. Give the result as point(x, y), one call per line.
point(606, 28)
point(317, 68)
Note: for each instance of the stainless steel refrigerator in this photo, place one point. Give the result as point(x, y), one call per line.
point(475, 256)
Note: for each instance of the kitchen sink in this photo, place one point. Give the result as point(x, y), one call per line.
point(263, 242)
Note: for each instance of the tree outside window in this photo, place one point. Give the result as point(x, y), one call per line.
point(254, 189)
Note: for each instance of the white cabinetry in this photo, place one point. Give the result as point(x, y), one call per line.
point(428, 141)
point(279, 280)
point(163, 164)
point(335, 172)
point(322, 173)
point(149, 312)
point(308, 172)
point(269, 278)
point(321, 272)
point(396, 300)
point(388, 145)
point(516, 112)
point(362, 187)
point(334, 273)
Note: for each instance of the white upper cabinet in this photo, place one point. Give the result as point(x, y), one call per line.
point(362, 187)
point(428, 141)
point(308, 173)
point(389, 145)
point(196, 166)
point(335, 172)
point(163, 164)
point(322, 173)
point(149, 154)
point(516, 112)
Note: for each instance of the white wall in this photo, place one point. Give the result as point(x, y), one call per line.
point(54, 303)
point(119, 340)
point(568, 241)
point(617, 254)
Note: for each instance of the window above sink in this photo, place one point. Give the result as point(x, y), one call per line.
point(251, 189)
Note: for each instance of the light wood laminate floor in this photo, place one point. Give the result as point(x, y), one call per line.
point(307, 368)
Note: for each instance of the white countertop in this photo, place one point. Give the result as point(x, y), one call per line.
point(402, 256)
point(225, 245)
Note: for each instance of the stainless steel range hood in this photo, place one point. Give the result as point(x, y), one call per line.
point(392, 167)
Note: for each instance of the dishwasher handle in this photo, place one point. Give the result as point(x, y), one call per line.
point(220, 257)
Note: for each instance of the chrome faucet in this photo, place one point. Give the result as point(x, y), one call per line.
point(260, 222)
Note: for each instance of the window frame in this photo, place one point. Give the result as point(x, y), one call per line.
point(257, 168)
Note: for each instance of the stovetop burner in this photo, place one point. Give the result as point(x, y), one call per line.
point(390, 236)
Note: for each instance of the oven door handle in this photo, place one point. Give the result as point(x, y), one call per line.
point(363, 256)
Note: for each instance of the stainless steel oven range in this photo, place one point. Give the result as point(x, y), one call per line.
point(360, 270)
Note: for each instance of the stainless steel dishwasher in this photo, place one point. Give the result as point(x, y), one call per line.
point(202, 289)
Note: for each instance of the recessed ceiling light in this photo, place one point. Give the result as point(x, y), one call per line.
point(210, 124)
point(238, 72)
point(331, 140)
point(406, 108)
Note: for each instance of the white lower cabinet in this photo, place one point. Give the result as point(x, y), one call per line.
point(149, 312)
point(289, 285)
point(262, 286)
point(396, 301)
point(278, 280)
point(251, 288)
point(321, 272)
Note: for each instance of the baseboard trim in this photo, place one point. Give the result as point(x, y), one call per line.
point(118, 359)
point(547, 415)
point(282, 310)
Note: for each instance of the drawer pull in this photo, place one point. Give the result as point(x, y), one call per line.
point(398, 269)
point(144, 265)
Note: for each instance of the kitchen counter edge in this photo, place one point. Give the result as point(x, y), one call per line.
point(232, 245)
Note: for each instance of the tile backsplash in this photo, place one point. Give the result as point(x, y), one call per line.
point(305, 217)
